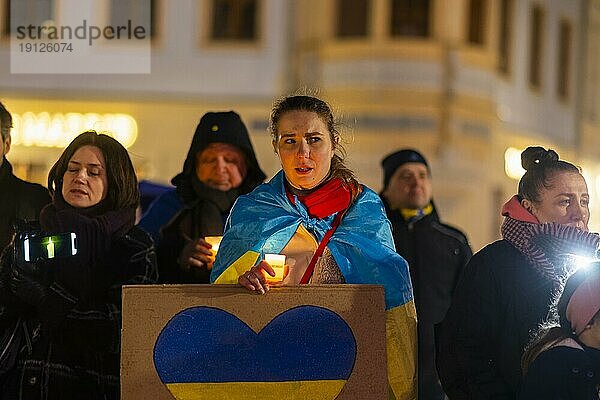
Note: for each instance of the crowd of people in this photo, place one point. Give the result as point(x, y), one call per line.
point(520, 319)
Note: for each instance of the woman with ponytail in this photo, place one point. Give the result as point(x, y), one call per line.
point(563, 362)
point(331, 228)
point(507, 288)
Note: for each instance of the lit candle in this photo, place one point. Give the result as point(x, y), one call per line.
point(214, 241)
point(50, 248)
point(277, 262)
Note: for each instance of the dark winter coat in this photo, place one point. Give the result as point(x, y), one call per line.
point(75, 332)
point(18, 200)
point(563, 373)
point(437, 254)
point(204, 216)
point(204, 210)
point(498, 305)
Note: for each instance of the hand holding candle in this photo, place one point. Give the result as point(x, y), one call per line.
point(214, 241)
point(277, 262)
point(258, 278)
point(199, 253)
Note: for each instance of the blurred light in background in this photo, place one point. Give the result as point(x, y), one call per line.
point(591, 173)
point(58, 130)
point(512, 163)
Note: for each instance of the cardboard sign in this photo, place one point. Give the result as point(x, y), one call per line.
point(223, 342)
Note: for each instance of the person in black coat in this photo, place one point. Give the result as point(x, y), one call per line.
point(436, 253)
point(220, 166)
point(563, 362)
point(72, 305)
point(507, 288)
point(19, 200)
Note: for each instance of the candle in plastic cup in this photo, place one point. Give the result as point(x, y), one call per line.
point(277, 262)
point(214, 241)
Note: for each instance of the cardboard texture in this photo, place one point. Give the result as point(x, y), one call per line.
point(329, 338)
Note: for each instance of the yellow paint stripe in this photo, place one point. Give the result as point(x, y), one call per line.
point(300, 390)
point(244, 263)
point(401, 335)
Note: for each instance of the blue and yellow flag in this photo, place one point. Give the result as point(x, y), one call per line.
point(362, 246)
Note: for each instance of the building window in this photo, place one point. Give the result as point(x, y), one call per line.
point(140, 12)
point(505, 39)
point(564, 60)
point(410, 18)
point(27, 12)
point(352, 18)
point(535, 47)
point(477, 21)
point(234, 20)
point(592, 77)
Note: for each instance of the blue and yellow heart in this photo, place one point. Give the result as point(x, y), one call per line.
point(307, 352)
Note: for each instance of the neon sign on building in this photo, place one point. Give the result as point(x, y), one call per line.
point(58, 130)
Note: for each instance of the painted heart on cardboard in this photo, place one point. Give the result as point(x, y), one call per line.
point(307, 352)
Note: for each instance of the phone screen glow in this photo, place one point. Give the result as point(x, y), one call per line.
point(26, 249)
point(73, 248)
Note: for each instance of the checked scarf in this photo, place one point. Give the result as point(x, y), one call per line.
point(550, 247)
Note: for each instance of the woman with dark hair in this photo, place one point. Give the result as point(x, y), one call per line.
point(507, 288)
point(563, 362)
point(331, 228)
point(220, 166)
point(72, 306)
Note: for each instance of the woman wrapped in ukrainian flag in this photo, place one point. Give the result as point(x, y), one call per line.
point(331, 228)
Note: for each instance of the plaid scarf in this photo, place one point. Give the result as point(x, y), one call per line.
point(550, 247)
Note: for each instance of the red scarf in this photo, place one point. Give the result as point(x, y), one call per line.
point(328, 199)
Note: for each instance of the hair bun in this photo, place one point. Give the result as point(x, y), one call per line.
point(534, 156)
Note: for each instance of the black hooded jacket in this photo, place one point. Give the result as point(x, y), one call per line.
point(205, 209)
point(19, 200)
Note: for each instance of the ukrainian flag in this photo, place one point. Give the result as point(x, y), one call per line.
point(307, 352)
point(264, 220)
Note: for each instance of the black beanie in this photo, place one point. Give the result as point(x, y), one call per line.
point(393, 161)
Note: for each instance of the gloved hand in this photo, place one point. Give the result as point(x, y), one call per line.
point(29, 281)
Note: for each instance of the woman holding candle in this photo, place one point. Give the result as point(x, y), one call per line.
point(331, 228)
